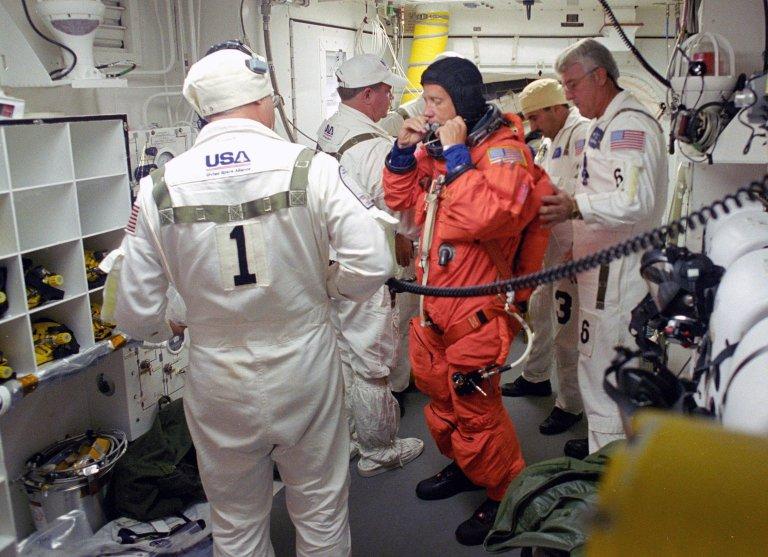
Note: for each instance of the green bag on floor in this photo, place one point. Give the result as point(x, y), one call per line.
point(547, 505)
point(157, 476)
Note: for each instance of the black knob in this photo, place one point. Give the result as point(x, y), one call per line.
point(444, 254)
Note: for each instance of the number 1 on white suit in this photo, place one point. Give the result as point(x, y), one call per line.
point(242, 255)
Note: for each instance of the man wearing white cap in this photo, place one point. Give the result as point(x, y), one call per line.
point(241, 224)
point(367, 331)
point(544, 105)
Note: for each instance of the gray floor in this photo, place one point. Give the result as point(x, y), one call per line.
point(387, 519)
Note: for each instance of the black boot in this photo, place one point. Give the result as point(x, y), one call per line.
point(522, 387)
point(446, 483)
point(558, 421)
point(576, 448)
point(473, 530)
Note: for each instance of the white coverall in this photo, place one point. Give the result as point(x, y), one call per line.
point(264, 382)
point(621, 192)
point(392, 122)
point(368, 331)
point(407, 304)
point(560, 158)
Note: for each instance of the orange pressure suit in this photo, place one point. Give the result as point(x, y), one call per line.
point(489, 215)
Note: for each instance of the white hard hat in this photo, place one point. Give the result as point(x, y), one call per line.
point(736, 234)
point(744, 400)
point(367, 69)
point(226, 79)
point(740, 303)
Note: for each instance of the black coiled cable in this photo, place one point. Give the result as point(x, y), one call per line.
point(653, 238)
point(661, 79)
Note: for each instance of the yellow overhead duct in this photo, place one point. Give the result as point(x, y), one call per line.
point(430, 36)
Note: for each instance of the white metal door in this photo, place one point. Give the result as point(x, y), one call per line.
point(316, 53)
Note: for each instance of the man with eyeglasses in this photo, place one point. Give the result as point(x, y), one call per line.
point(241, 225)
point(621, 191)
point(367, 331)
point(544, 104)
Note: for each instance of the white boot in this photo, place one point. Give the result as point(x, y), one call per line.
point(398, 455)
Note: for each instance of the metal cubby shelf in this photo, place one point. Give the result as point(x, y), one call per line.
point(61, 179)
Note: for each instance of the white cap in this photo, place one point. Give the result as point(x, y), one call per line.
point(222, 80)
point(367, 69)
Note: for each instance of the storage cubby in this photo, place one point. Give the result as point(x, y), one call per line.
point(38, 155)
point(16, 344)
point(46, 216)
point(64, 188)
point(8, 243)
point(14, 288)
point(102, 137)
point(66, 260)
point(104, 204)
point(96, 295)
point(75, 314)
point(103, 242)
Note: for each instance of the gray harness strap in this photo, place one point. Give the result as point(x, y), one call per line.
point(296, 196)
point(602, 286)
point(351, 142)
point(638, 111)
point(567, 150)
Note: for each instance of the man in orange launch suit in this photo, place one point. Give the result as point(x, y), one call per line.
point(477, 195)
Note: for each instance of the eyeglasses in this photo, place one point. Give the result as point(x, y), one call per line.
point(571, 84)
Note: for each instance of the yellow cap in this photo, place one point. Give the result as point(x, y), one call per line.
point(541, 93)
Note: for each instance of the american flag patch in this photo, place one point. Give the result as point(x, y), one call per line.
point(500, 155)
point(130, 228)
point(628, 139)
point(580, 146)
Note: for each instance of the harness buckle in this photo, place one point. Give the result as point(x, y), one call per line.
point(166, 216)
point(297, 198)
point(235, 212)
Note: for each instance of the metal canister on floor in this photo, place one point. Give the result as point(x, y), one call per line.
point(72, 474)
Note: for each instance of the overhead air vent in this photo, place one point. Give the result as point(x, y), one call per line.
point(117, 38)
point(572, 20)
